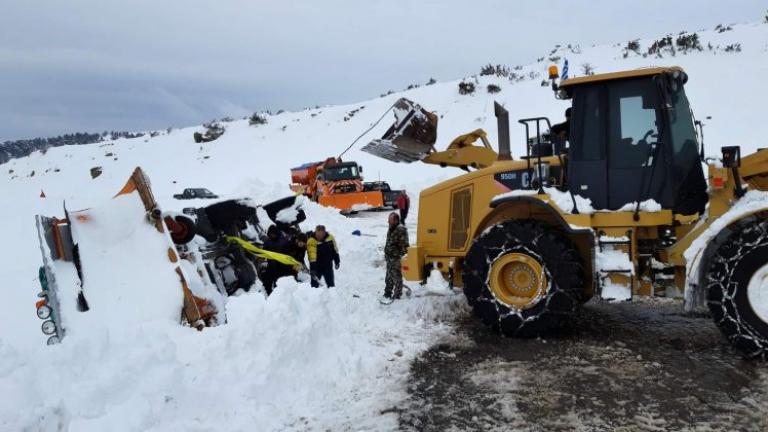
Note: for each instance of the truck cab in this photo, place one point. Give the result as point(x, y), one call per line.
point(390, 195)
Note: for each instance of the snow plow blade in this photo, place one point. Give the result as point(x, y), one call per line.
point(353, 201)
point(411, 138)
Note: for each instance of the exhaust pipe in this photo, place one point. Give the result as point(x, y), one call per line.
point(502, 117)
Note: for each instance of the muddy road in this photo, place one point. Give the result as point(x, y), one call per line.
point(619, 367)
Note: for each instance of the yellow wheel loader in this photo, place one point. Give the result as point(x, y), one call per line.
point(627, 206)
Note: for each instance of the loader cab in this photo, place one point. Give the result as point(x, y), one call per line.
point(632, 139)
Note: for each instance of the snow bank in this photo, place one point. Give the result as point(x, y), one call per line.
point(293, 361)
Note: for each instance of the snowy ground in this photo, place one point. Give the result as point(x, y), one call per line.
point(303, 359)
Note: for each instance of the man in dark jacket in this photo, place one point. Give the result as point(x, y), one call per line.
point(403, 203)
point(276, 241)
point(298, 248)
point(323, 256)
point(394, 250)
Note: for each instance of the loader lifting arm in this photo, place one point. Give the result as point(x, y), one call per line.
point(462, 152)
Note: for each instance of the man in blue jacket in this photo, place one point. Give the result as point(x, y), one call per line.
point(323, 256)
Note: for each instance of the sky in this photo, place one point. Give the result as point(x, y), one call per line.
point(95, 65)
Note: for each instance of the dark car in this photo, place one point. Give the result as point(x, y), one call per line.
point(196, 193)
point(390, 195)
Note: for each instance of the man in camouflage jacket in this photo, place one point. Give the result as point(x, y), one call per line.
point(394, 250)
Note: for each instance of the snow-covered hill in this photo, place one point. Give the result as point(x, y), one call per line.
point(304, 358)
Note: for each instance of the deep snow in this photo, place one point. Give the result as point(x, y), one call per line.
point(305, 358)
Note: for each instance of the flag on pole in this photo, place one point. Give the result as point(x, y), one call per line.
point(564, 75)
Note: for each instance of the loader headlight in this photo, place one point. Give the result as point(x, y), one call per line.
point(48, 327)
point(53, 340)
point(43, 312)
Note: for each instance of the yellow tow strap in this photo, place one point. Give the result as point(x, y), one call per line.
point(263, 253)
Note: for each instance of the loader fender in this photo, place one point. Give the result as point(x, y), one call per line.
point(695, 293)
point(527, 207)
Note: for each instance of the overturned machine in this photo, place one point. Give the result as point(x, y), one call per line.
point(128, 262)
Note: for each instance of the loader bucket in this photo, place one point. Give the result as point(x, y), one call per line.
point(412, 137)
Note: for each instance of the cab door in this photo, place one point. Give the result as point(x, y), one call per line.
point(588, 165)
point(634, 126)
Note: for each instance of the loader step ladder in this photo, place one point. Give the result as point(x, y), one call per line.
point(604, 241)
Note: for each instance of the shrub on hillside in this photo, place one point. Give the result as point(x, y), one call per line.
point(493, 88)
point(587, 69)
point(257, 119)
point(634, 46)
point(213, 130)
point(722, 29)
point(498, 70)
point(466, 88)
point(687, 42)
point(660, 45)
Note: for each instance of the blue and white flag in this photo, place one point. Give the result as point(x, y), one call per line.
point(564, 75)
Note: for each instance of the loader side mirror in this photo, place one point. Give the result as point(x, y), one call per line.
point(731, 156)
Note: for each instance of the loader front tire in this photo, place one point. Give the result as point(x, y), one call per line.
point(523, 278)
point(736, 283)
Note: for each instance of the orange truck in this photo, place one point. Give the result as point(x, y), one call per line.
point(334, 183)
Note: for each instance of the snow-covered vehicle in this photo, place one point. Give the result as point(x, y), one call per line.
point(390, 195)
point(196, 193)
point(129, 256)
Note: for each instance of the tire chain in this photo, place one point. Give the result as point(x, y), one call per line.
point(554, 294)
point(719, 277)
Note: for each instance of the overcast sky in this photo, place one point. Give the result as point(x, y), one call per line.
point(77, 65)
